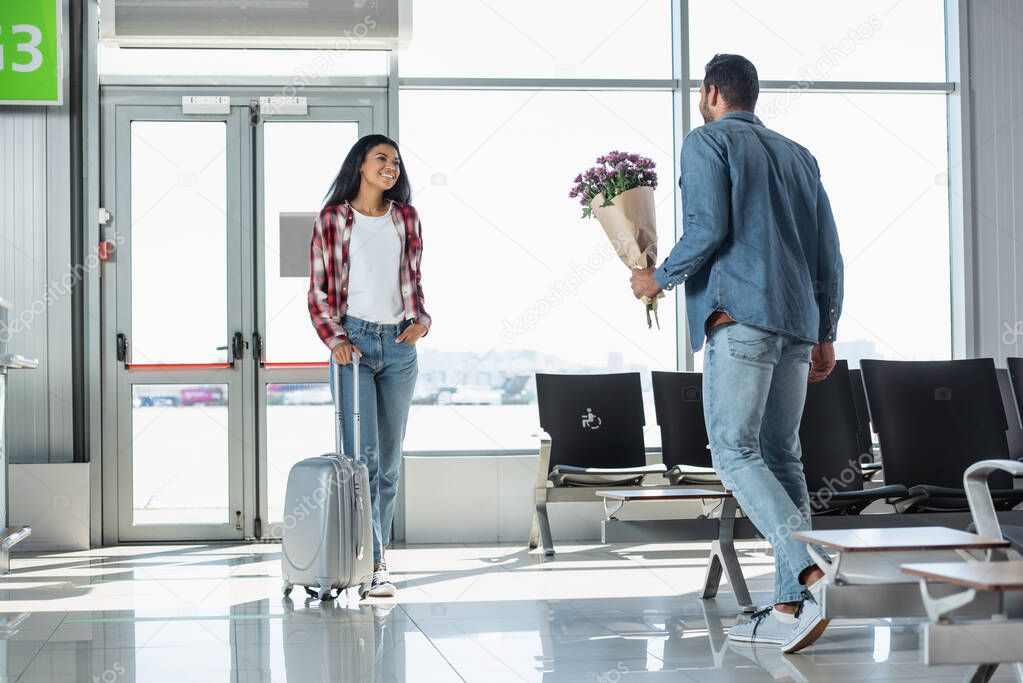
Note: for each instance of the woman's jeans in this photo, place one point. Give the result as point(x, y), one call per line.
point(387, 377)
point(754, 387)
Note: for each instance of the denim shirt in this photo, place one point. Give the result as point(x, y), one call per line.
point(759, 241)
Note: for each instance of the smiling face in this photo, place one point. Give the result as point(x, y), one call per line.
point(380, 168)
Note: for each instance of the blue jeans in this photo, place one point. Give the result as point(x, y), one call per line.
point(754, 387)
point(387, 378)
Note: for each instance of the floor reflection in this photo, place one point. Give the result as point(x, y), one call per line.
point(214, 613)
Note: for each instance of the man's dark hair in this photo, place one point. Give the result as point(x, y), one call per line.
point(735, 78)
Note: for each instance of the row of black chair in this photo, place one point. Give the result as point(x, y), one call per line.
point(932, 419)
point(834, 436)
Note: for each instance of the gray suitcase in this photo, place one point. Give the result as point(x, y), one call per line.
point(327, 545)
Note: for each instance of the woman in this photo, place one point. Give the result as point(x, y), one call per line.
point(366, 298)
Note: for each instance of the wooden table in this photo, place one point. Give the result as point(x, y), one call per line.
point(983, 576)
point(899, 539)
point(984, 643)
point(864, 569)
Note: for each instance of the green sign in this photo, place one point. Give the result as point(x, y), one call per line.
point(30, 68)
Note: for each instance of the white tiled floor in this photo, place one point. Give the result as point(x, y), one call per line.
point(464, 613)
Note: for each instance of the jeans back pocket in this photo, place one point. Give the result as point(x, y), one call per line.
point(750, 343)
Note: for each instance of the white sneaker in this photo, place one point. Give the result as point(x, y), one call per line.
point(763, 627)
point(811, 622)
point(381, 586)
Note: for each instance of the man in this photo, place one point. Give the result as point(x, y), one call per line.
point(761, 265)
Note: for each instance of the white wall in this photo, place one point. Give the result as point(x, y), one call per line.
point(995, 52)
point(488, 499)
point(53, 499)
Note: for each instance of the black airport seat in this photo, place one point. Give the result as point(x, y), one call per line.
point(873, 467)
point(678, 403)
point(833, 450)
point(862, 411)
point(595, 424)
point(935, 419)
point(1016, 377)
point(596, 427)
point(1014, 434)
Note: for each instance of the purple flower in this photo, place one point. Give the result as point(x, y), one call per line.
point(614, 173)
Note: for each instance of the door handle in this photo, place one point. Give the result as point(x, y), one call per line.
point(257, 348)
point(237, 347)
point(122, 349)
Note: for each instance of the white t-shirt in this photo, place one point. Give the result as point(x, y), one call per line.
point(374, 289)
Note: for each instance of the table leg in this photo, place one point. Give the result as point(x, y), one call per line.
point(723, 558)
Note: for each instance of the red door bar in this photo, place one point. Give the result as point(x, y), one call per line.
point(178, 366)
point(296, 365)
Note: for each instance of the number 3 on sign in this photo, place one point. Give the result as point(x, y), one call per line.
point(31, 47)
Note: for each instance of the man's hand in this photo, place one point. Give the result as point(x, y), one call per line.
point(411, 334)
point(822, 361)
point(643, 283)
point(343, 352)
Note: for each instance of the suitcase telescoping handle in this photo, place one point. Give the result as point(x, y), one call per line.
point(356, 441)
point(356, 417)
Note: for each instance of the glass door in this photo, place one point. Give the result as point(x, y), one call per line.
point(215, 383)
point(179, 317)
point(294, 397)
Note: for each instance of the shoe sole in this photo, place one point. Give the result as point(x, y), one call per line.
point(381, 592)
point(747, 640)
point(809, 638)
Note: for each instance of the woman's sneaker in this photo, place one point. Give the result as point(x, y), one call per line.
point(381, 587)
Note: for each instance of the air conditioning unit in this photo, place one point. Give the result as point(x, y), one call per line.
point(266, 24)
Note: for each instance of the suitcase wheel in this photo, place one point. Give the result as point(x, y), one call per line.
point(287, 589)
point(325, 594)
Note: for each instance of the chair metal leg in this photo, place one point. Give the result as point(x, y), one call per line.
point(981, 673)
point(544, 527)
point(712, 578)
point(541, 530)
point(723, 558)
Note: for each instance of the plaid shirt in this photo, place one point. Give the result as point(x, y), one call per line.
point(328, 277)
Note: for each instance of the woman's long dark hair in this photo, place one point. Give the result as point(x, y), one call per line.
point(346, 184)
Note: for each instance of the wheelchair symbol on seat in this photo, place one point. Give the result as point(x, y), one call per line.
point(591, 420)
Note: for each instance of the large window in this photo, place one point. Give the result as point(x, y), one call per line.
point(491, 159)
point(807, 40)
point(881, 142)
point(516, 280)
point(539, 39)
point(884, 164)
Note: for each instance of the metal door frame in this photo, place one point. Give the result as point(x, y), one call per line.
point(368, 110)
point(119, 112)
point(368, 106)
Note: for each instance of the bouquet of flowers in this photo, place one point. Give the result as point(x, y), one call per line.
point(619, 192)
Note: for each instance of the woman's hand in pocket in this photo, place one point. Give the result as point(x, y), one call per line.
point(343, 352)
point(411, 334)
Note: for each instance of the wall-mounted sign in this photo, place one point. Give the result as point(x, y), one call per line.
point(31, 71)
point(296, 230)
